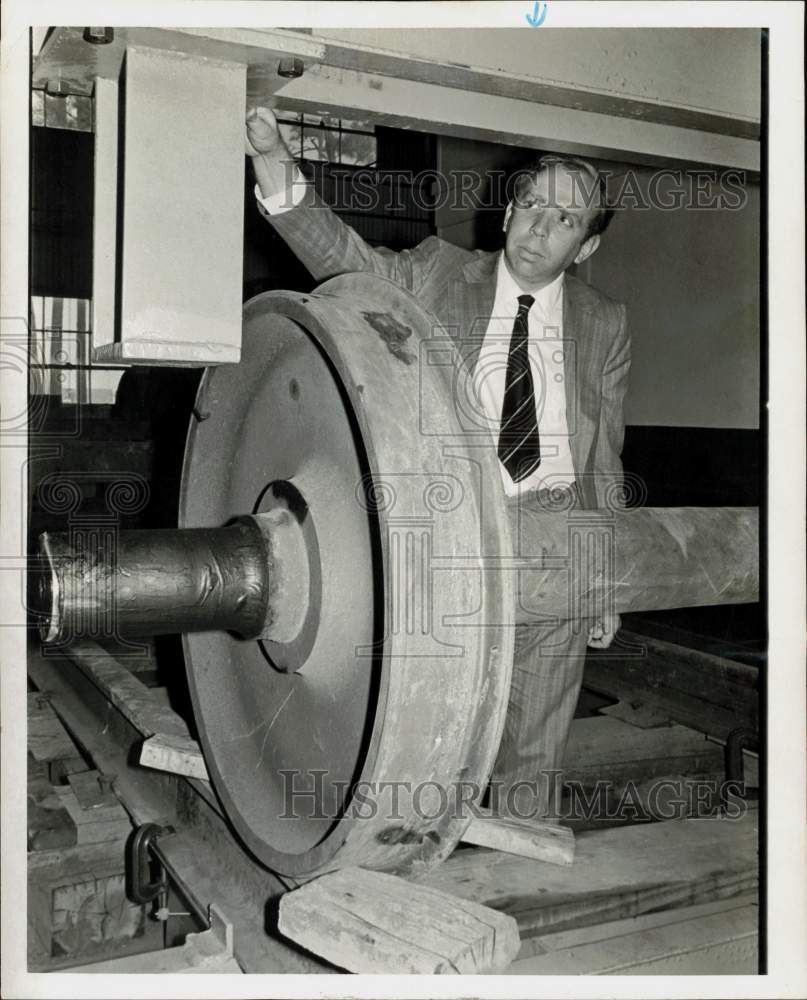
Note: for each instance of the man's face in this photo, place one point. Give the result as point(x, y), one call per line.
point(546, 227)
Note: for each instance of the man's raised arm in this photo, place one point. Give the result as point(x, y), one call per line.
point(316, 235)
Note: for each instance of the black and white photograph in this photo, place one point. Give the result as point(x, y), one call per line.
point(403, 467)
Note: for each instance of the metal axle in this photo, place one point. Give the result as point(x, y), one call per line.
point(251, 577)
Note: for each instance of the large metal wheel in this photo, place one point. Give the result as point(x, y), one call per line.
point(353, 737)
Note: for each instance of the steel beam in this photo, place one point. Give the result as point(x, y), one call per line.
point(429, 90)
point(431, 107)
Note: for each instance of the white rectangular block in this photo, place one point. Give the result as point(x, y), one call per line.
point(180, 210)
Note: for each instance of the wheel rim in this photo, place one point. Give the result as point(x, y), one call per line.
point(392, 679)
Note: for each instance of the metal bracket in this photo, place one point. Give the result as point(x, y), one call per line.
point(141, 887)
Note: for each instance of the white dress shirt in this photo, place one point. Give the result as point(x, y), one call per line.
point(545, 352)
point(277, 204)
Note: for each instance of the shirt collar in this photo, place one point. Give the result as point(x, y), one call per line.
point(546, 298)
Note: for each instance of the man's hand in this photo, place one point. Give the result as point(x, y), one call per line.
point(271, 160)
point(602, 632)
point(263, 135)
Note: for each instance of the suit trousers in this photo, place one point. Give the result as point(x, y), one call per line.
point(547, 675)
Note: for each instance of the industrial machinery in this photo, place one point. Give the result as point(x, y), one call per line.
point(348, 573)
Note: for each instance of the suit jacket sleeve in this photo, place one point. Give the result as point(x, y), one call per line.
point(328, 247)
point(609, 477)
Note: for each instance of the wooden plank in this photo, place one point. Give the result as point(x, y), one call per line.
point(138, 704)
point(177, 754)
point(663, 797)
point(697, 689)
point(560, 940)
point(603, 748)
point(637, 714)
point(534, 838)
point(617, 873)
point(172, 748)
point(48, 741)
point(602, 740)
point(370, 922)
point(747, 654)
point(685, 944)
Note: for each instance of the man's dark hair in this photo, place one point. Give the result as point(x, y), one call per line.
point(574, 166)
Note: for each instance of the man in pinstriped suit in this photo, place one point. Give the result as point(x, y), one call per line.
point(575, 393)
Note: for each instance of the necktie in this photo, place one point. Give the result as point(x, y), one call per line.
point(519, 443)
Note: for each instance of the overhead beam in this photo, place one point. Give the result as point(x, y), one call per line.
point(426, 107)
point(350, 80)
point(692, 77)
point(66, 56)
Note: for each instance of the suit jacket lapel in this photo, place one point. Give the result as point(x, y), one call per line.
point(579, 369)
point(470, 303)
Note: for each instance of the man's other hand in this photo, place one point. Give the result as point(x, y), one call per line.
point(602, 632)
point(263, 134)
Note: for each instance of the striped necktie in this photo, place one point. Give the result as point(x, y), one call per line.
point(519, 442)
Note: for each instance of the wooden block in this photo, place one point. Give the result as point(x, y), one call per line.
point(177, 754)
point(91, 791)
point(528, 838)
point(49, 743)
point(49, 823)
point(107, 821)
point(370, 922)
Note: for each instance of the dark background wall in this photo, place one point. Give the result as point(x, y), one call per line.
point(689, 276)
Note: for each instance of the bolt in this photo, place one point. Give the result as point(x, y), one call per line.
point(99, 36)
point(290, 68)
point(106, 782)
